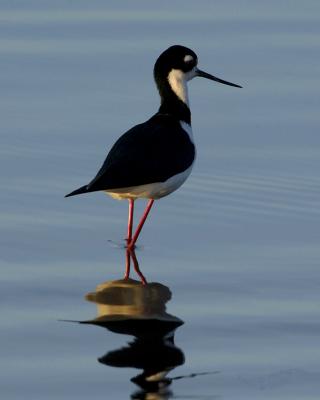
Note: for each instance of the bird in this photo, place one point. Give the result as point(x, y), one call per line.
point(154, 158)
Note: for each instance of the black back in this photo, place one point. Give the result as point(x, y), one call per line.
point(149, 152)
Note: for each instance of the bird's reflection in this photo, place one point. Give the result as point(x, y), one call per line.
point(136, 308)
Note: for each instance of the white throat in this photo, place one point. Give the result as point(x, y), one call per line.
point(178, 83)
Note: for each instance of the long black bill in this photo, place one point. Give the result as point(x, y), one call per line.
point(214, 78)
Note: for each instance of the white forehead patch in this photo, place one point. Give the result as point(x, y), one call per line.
point(188, 58)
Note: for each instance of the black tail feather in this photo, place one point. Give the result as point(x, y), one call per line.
point(82, 189)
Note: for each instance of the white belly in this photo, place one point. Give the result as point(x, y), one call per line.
point(151, 190)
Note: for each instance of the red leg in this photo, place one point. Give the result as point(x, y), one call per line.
point(136, 267)
point(130, 220)
point(129, 237)
point(127, 273)
point(141, 223)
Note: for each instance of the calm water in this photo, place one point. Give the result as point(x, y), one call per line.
point(236, 248)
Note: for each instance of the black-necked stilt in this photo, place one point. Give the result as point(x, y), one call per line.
point(153, 159)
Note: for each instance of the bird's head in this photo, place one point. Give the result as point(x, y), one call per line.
point(178, 65)
point(176, 59)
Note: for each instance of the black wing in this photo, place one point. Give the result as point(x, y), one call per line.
point(150, 152)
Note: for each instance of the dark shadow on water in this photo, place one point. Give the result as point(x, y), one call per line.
point(129, 307)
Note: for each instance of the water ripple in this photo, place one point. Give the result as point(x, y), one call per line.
point(258, 195)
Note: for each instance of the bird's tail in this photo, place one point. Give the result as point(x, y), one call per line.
point(82, 189)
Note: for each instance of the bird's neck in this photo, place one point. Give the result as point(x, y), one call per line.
point(178, 85)
point(173, 91)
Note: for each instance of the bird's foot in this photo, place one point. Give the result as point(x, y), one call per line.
point(131, 246)
point(124, 245)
